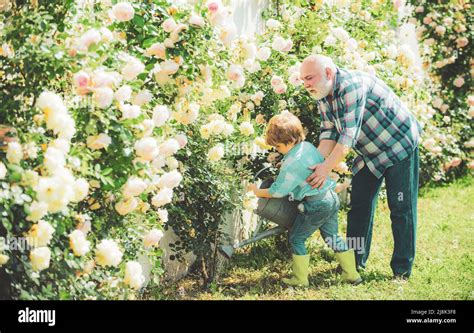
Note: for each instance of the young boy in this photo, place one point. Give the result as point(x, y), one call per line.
point(319, 207)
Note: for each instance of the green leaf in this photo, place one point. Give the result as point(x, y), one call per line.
point(139, 21)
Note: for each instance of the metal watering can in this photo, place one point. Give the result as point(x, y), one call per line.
point(281, 211)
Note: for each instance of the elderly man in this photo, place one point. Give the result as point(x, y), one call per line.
point(361, 112)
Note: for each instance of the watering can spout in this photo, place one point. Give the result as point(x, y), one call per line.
point(227, 250)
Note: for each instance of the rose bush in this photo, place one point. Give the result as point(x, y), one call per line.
point(137, 117)
point(446, 46)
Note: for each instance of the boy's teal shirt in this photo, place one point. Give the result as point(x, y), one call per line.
point(295, 169)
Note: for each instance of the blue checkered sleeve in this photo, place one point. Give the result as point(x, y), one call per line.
point(354, 98)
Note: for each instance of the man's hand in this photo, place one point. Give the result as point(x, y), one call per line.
point(318, 178)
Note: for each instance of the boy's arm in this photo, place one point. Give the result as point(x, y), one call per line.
point(261, 192)
point(287, 180)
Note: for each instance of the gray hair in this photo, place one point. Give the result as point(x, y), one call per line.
point(323, 61)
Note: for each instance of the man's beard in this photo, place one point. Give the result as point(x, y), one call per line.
point(322, 89)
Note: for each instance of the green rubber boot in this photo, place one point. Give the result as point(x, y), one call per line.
point(347, 261)
point(300, 271)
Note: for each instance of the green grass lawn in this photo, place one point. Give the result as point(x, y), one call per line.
point(443, 270)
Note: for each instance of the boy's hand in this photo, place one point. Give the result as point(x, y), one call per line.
point(252, 187)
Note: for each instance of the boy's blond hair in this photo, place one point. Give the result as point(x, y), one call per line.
point(284, 128)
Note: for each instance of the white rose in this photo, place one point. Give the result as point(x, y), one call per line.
point(123, 11)
point(264, 53)
point(158, 162)
point(3, 257)
point(14, 152)
point(78, 242)
point(106, 35)
point(228, 33)
point(126, 206)
point(252, 66)
point(172, 163)
point(157, 50)
point(169, 147)
point(341, 34)
point(133, 187)
point(90, 37)
point(273, 24)
point(250, 202)
point(134, 275)
point(160, 115)
point(123, 94)
point(143, 97)
point(169, 67)
point(163, 197)
point(330, 40)
point(40, 234)
point(81, 189)
point(280, 44)
point(196, 20)
point(3, 171)
point(440, 30)
point(171, 179)
point(130, 111)
point(108, 253)
point(152, 238)
point(216, 153)
point(40, 258)
point(246, 128)
point(132, 69)
point(55, 112)
point(257, 97)
point(162, 215)
point(147, 148)
point(99, 141)
point(63, 145)
point(101, 78)
point(54, 159)
point(147, 127)
point(169, 25)
point(437, 102)
point(103, 97)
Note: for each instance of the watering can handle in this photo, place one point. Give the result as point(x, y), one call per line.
point(260, 171)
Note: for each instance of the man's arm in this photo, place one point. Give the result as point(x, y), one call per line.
point(326, 146)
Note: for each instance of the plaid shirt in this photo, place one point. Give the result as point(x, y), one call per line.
point(367, 116)
point(294, 170)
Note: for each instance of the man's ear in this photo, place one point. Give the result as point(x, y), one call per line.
point(328, 73)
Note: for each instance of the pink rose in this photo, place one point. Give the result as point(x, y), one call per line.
point(280, 89)
point(213, 6)
point(276, 81)
point(459, 82)
point(182, 140)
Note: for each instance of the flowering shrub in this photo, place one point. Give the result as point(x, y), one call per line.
point(446, 45)
point(139, 117)
point(96, 170)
